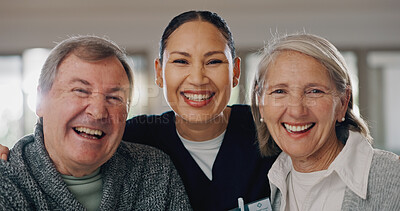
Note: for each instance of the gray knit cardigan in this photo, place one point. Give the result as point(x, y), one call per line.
point(137, 177)
point(383, 193)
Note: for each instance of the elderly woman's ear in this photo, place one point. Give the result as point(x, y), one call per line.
point(345, 99)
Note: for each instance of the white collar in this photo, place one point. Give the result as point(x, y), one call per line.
point(352, 165)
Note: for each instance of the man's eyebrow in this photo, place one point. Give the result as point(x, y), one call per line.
point(87, 83)
point(79, 80)
point(117, 89)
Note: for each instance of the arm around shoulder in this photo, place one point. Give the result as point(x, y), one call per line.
point(4, 151)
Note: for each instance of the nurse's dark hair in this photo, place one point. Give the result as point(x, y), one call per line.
point(189, 16)
point(325, 53)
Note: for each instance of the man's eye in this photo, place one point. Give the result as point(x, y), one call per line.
point(315, 91)
point(115, 99)
point(215, 61)
point(180, 61)
point(81, 92)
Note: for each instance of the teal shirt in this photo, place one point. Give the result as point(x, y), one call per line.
point(88, 189)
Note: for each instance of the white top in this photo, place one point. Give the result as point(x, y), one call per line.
point(204, 152)
point(349, 169)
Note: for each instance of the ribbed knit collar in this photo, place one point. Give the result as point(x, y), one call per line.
point(53, 185)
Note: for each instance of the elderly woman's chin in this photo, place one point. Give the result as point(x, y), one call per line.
point(305, 144)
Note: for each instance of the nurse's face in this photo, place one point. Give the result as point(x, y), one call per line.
point(198, 72)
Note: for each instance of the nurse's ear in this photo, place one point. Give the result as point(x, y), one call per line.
point(236, 72)
point(159, 74)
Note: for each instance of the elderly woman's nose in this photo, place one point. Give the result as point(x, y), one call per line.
point(297, 105)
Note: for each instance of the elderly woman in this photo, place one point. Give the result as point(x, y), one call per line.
point(303, 107)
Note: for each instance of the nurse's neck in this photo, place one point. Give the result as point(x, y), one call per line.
point(205, 130)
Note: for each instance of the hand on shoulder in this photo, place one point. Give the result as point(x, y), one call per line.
point(4, 151)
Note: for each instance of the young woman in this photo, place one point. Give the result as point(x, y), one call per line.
point(212, 146)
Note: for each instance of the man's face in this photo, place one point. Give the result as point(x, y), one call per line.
point(84, 113)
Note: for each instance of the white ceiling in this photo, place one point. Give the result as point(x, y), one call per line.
point(138, 24)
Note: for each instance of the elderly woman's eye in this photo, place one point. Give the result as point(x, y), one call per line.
point(315, 93)
point(278, 91)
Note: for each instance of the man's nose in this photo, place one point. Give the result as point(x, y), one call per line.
point(97, 106)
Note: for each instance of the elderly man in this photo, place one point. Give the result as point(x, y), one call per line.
point(75, 159)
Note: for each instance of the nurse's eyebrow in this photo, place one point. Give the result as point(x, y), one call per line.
point(181, 53)
point(213, 52)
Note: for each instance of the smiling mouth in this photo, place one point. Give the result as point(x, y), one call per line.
point(89, 133)
point(298, 128)
point(198, 97)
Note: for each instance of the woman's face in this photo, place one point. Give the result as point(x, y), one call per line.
point(198, 72)
point(300, 105)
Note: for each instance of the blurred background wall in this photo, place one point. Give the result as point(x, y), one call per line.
point(367, 32)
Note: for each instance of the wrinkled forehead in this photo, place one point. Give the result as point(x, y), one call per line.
point(295, 68)
point(104, 73)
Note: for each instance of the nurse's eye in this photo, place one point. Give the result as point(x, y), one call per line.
point(180, 61)
point(215, 61)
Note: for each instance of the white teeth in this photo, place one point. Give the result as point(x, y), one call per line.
point(293, 128)
point(89, 131)
point(197, 97)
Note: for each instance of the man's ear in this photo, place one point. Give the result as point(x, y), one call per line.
point(39, 102)
point(236, 71)
point(158, 71)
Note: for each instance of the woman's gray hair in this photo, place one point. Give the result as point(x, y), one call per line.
point(327, 54)
point(85, 47)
